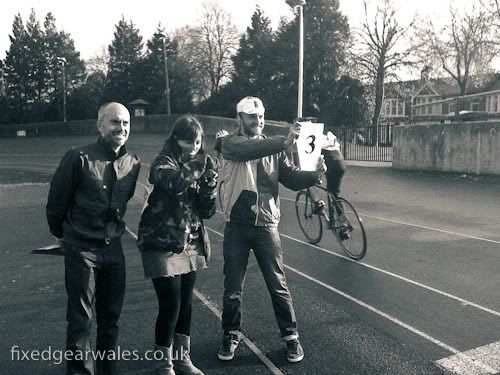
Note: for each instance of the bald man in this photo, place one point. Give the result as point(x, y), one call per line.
point(87, 201)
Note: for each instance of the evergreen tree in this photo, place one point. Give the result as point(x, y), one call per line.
point(59, 44)
point(253, 62)
point(32, 72)
point(326, 40)
point(86, 99)
point(37, 68)
point(153, 83)
point(125, 53)
point(16, 72)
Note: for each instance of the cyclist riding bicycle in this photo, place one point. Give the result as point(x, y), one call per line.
point(336, 165)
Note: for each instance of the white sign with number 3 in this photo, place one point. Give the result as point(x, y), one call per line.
point(309, 145)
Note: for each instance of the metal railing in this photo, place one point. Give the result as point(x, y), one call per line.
point(366, 143)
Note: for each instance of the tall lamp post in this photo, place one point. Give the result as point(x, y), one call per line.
point(300, 4)
point(167, 84)
point(62, 61)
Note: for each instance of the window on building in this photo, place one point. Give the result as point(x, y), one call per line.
point(139, 112)
point(474, 105)
point(394, 108)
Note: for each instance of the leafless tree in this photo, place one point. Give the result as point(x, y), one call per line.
point(98, 62)
point(381, 49)
point(208, 48)
point(463, 48)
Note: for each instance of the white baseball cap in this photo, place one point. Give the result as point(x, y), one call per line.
point(251, 106)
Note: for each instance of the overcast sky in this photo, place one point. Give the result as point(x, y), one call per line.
point(91, 22)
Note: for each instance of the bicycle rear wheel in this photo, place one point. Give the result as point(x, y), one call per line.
point(348, 228)
point(309, 222)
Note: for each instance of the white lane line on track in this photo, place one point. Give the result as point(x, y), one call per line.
point(32, 154)
point(23, 184)
point(420, 226)
point(216, 311)
point(485, 360)
point(465, 358)
point(424, 286)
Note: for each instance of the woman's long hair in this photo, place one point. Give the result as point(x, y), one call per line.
point(186, 128)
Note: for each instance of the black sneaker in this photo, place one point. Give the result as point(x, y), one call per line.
point(318, 207)
point(294, 351)
point(229, 344)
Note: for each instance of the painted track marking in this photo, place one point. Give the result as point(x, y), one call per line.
point(485, 360)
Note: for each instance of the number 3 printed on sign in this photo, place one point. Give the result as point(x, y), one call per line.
point(311, 144)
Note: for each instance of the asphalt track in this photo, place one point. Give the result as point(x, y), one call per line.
point(424, 299)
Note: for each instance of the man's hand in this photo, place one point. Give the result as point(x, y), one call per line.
point(221, 134)
point(320, 167)
point(330, 142)
point(293, 134)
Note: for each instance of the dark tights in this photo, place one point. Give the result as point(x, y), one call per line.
point(175, 295)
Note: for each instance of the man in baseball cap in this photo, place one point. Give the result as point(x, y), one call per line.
point(250, 113)
point(254, 166)
point(250, 105)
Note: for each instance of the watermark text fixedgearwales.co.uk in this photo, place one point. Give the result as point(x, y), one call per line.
point(57, 356)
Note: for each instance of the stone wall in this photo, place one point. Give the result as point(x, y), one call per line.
point(468, 147)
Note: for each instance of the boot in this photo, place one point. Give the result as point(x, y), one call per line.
point(164, 364)
point(182, 361)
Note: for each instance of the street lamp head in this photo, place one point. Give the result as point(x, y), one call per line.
point(296, 3)
point(61, 60)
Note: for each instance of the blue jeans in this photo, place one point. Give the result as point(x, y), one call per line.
point(93, 277)
point(266, 245)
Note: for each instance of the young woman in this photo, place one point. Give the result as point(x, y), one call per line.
point(173, 240)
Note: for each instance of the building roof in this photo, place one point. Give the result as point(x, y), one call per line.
point(139, 102)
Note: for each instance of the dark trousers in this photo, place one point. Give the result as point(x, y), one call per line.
point(266, 245)
point(175, 296)
point(94, 278)
point(336, 167)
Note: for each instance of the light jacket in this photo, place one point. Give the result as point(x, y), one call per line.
point(253, 169)
point(89, 192)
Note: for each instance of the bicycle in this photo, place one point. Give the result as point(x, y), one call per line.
point(341, 218)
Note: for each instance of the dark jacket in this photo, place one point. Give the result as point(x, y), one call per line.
point(253, 169)
point(179, 201)
point(89, 193)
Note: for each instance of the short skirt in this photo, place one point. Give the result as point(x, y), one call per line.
point(158, 263)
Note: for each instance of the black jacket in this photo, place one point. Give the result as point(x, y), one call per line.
point(89, 193)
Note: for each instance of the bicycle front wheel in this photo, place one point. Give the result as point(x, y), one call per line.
point(309, 223)
point(348, 228)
